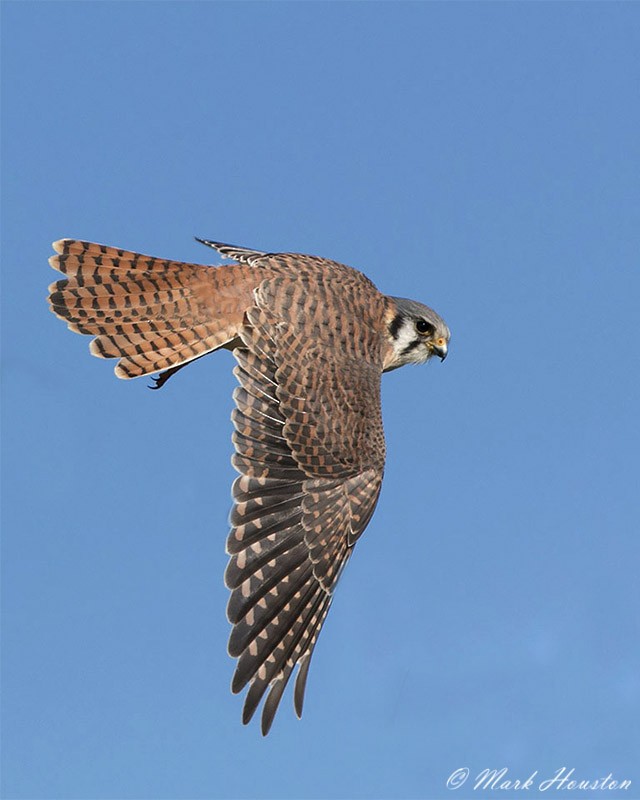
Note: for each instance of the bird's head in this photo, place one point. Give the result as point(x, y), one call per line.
point(415, 333)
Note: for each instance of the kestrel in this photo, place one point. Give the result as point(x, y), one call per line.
point(312, 338)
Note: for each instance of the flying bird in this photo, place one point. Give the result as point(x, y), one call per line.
point(311, 338)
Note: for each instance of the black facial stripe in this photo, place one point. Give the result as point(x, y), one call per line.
point(411, 346)
point(396, 324)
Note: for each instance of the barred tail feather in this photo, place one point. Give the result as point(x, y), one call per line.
point(152, 314)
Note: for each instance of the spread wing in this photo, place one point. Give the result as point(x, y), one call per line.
point(310, 452)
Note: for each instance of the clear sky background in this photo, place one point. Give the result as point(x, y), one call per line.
point(482, 158)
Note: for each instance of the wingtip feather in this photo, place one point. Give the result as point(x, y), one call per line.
point(300, 685)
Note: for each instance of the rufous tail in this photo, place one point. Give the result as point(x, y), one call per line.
point(150, 313)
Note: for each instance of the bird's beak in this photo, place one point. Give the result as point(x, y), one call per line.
point(440, 350)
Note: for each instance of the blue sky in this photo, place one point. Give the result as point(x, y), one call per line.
point(482, 158)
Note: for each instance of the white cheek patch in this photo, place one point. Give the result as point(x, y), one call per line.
point(406, 335)
point(409, 347)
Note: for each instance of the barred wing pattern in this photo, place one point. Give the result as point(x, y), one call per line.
point(310, 450)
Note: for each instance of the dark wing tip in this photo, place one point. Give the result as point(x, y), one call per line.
point(207, 242)
point(241, 254)
point(301, 683)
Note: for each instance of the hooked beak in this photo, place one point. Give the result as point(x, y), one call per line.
point(440, 349)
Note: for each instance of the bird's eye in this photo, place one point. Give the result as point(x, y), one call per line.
point(424, 327)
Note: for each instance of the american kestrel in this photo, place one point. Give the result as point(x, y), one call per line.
point(312, 338)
